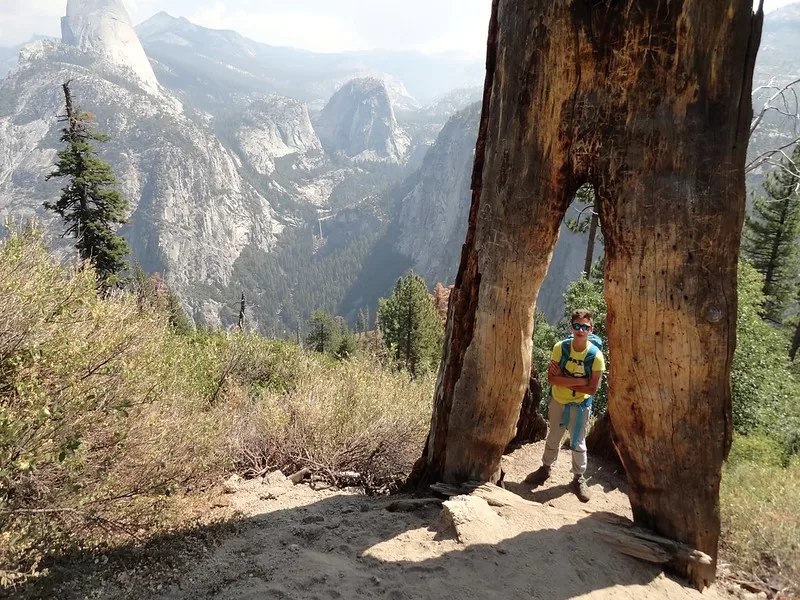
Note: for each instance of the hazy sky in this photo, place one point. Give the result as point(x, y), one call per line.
point(320, 25)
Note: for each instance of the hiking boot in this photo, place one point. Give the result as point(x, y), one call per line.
point(539, 476)
point(580, 489)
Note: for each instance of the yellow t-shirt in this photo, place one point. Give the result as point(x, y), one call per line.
point(575, 368)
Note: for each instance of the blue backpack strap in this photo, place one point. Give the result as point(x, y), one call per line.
point(565, 416)
point(566, 350)
point(588, 362)
point(573, 442)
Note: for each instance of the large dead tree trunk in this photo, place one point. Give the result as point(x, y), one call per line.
point(649, 101)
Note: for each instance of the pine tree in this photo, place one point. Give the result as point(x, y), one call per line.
point(771, 236)
point(152, 292)
point(180, 322)
point(89, 204)
point(323, 332)
point(411, 326)
point(347, 345)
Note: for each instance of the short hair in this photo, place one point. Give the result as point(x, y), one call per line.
point(581, 313)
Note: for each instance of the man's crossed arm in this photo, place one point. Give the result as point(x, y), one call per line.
point(582, 385)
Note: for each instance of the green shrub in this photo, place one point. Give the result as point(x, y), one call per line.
point(760, 509)
point(758, 449)
point(91, 406)
point(759, 358)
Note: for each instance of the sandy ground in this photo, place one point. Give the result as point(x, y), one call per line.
point(296, 542)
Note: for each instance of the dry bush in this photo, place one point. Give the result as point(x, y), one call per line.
point(352, 422)
point(95, 433)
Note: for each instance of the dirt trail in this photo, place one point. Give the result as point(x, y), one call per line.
point(300, 543)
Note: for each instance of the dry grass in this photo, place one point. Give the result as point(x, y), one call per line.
point(353, 422)
point(760, 505)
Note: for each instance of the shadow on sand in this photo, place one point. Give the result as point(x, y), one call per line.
point(350, 546)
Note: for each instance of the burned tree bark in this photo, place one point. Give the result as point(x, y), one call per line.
point(649, 101)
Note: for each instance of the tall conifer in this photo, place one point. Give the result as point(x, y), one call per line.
point(411, 326)
point(89, 204)
point(771, 236)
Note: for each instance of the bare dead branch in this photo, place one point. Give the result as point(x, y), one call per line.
point(780, 92)
point(767, 155)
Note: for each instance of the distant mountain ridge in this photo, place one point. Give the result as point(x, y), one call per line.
point(181, 48)
point(777, 64)
point(208, 191)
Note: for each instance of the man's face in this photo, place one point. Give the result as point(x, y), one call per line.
point(581, 328)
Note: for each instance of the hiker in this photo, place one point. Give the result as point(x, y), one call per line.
point(576, 366)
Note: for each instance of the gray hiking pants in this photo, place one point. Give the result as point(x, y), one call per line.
point(556, 411)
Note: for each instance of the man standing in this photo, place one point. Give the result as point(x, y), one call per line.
point(576, 366)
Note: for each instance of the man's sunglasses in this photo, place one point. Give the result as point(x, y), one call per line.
point(581, 327)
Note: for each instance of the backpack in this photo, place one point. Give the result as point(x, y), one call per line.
point(595, 346)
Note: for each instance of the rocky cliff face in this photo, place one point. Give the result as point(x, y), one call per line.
point(208, 190)
point(273, 127)
point(192, 212)
point(432, 221)
point(103, 28)
point(359, 122)
point(276, 143)
point(433, 217)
